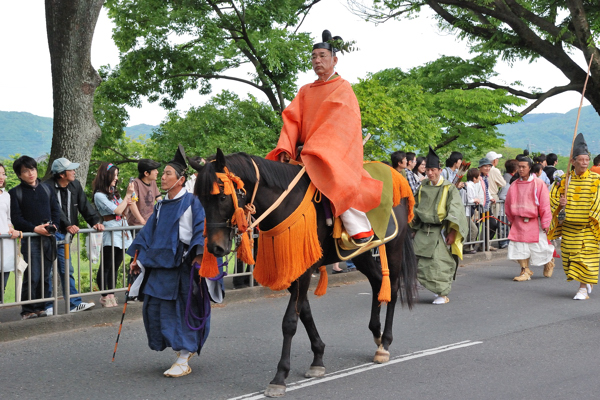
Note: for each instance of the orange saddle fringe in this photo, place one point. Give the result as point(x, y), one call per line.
point(289, 249)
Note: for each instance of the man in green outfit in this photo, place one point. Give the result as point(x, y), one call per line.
point(440, 221)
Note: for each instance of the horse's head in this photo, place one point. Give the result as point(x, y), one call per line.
point(219, 192)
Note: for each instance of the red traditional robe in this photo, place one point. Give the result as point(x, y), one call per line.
point(324, 118)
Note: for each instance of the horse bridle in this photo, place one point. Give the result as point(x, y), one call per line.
point(228, 178)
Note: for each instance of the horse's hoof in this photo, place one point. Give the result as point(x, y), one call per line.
point(315, 372)
point(275, 390)
point(378, 339)
point(381, 356)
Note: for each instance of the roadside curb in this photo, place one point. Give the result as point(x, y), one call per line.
point(99, 317)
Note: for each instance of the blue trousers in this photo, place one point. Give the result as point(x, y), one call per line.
point(40, 273)
point(60, 260)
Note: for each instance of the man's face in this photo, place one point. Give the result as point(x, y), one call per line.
point(169, 178)
point(152, 175)
point(485, 169)
point(458, 164)
point(524, 169)
point(581, 163)
point(69, 175)
point(402, 164)
point(28, 175)
point(411, 164)
point(495, 162)
point(323, 62)
point(433, 174)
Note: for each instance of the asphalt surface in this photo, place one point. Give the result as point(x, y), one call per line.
point(496, 339)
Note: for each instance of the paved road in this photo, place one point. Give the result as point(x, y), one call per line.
point(496, 339)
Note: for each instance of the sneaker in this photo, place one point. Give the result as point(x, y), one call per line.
point(41, 313)
point(492, 248)
point(28, 316)
point(581, 294)
point(50, 311)
point(589, 288)
point(441, 300)
point(82, 307)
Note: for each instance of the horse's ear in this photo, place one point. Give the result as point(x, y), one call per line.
point(220, 161)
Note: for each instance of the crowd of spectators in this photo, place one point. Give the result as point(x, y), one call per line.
point(51, 209)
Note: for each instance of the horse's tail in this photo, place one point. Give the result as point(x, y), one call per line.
point(408, 274)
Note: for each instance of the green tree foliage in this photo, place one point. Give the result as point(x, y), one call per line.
point(168, 47)
point(225, 121)
point(431, 105)
point(559, 31)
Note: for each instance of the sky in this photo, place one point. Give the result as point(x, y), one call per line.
point(26, 85)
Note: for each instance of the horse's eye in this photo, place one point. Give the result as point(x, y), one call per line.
point(223, 198)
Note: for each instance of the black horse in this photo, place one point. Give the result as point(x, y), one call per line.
point(274, 179)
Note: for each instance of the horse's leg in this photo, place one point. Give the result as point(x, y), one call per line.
point(382, 355)
point(298, 291)
point(317, 368)
point(366, 264)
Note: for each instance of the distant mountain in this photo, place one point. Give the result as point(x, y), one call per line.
point(25, 133)
point(553, 133)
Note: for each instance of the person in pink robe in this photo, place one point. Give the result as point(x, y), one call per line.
point(527, 207)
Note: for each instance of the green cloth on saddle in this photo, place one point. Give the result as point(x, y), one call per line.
point(379, 217)
point(437, 264)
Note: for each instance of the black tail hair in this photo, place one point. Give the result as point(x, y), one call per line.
point(408, 274)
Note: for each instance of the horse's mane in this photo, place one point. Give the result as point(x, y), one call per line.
point(272, 173)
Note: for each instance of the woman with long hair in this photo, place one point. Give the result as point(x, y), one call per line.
point(111, 207)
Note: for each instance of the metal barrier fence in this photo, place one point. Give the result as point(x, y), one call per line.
point(85, 269)
point(483, 232)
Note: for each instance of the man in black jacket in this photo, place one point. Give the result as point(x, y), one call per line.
point(32, 206)
point(72, 201)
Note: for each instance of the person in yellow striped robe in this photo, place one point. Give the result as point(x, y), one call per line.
point(580, 229)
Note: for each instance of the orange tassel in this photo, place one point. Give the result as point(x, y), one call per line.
point(289, 249)
point(244, 252)
point(239, 219)
point(209, 267)
point(323, 279)
point(385, 293)
point(401, 190)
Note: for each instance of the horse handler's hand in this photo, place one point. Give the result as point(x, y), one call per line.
point(451, 237)
point(134, 269)
point(197, 259)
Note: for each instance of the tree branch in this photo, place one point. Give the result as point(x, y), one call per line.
point(215, 76)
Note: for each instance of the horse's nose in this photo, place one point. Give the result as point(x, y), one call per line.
point(216, 250)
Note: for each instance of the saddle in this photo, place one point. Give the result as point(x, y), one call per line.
point(382, 218)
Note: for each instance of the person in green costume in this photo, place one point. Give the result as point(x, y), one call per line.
point(440, 224)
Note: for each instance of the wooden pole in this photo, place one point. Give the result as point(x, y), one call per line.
point(568, 172)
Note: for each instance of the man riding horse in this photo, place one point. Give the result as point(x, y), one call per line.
point(322, 130)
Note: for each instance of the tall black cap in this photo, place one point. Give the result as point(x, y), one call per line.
point(580, 146)
point(179, 160)
point(432, 160)
point(326, 37)
point(147, 165)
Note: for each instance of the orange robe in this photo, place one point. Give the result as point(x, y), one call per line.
point(324, 118)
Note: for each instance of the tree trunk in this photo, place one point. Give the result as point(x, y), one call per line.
point(70, 26)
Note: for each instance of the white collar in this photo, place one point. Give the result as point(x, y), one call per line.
point(178, 195)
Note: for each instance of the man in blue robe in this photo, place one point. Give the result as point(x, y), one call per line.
point(176, 307)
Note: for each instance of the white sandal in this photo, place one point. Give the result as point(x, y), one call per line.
point(582, 294)
point(177, 369)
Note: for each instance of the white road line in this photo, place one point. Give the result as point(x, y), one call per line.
point(361, 368)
